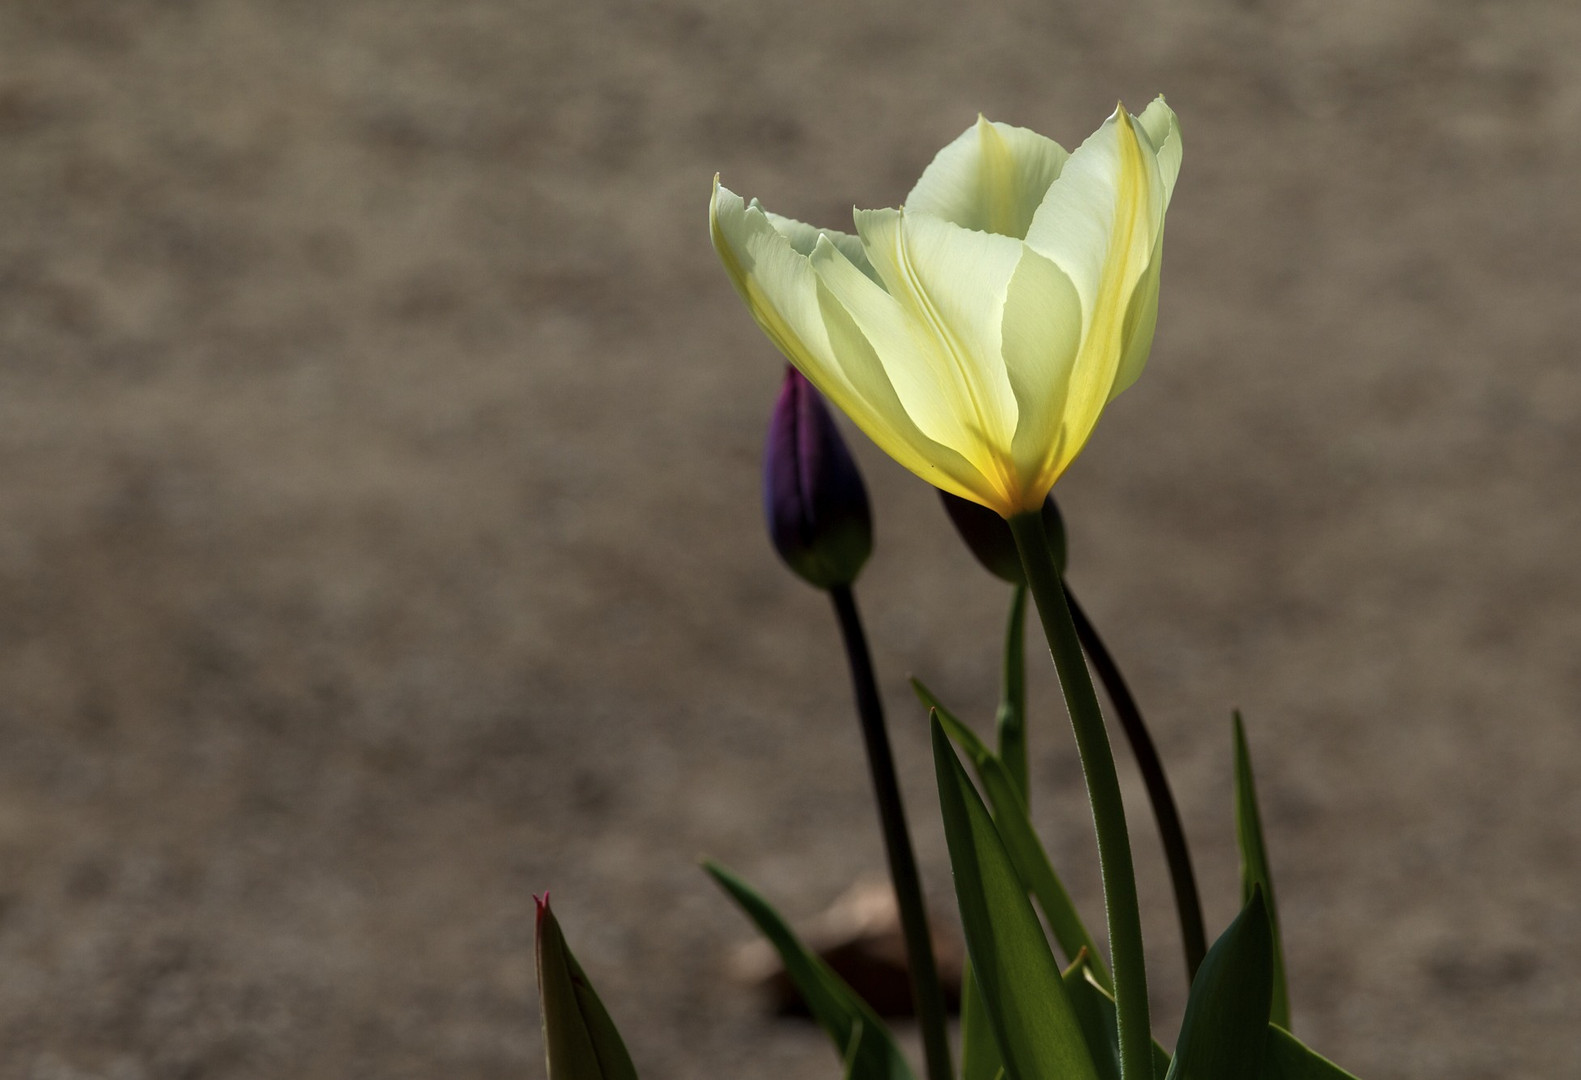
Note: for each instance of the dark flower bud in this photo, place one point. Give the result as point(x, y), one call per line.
point(989, 538)
point(813, 496)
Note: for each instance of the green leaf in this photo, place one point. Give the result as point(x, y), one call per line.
point(1226, 1021)
point(1011, 721)
point(852, 1059)
point(859, 1036)
point(1095, 1012)
point(1037, 1033)
point(1026, 851)
point(1255, 873)
point(579, 1038)
point(980, 1058)
point(1287, 1058)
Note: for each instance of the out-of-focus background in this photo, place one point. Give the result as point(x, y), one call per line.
point(380, 542)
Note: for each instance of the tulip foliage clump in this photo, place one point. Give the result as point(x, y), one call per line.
point(976, 334)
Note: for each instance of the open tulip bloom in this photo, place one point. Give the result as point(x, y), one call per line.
point(975, 333)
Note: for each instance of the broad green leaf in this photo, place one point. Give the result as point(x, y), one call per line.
point(980, 1058)
point(859, 1036)
point(1255, 872)
point(1286, 1058)
point(580, 1040)
point(1038, 1036)
point(1026, 851)
point(1095, 1011)
point(1011, 722)
point(1226, 1021)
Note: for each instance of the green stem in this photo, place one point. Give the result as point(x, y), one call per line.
point(1103, 791)
point(1187, 903)
point(926, 995)
point(1012, 718)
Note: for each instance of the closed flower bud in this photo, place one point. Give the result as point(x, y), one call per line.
point(988, 536)
point(813, 496)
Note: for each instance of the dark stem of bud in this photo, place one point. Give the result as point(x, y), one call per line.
point(927, 996)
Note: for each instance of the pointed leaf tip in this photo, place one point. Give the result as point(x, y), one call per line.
point(580, 1040)
point(1256, 873)
point(1221, 1037)
point(865, 1045)
point(1028, 1010)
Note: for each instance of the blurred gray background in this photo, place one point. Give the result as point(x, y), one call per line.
point(380, 541)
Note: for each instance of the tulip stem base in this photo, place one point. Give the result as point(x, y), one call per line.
point(1103, 792)
point(927, 996)
point(1188, 905)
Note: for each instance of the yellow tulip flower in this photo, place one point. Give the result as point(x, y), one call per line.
point(976, 333)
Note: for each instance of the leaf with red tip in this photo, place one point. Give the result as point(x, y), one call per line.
point(580, 1040)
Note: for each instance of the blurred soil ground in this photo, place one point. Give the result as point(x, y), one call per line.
point(379, 536)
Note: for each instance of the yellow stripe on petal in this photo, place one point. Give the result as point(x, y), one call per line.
point(940, 339)
point(992, 179)
point(1130, 250)
point(1100, 224)
point(1141, 317)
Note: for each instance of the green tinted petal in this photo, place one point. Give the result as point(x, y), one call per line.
point(992, 178)
point(1163, 131)
point(803, 238)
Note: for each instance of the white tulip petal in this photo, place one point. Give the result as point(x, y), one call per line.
point(813, 331)
point(992, 178)
point(1141, 317)
point(877, 410)
point(939, 335)
point(904, 349)
point(1099, 219)
point(1042, 336)
point(804, 238)
point(776, 281)
point(1158, 120)
point(1100, 223)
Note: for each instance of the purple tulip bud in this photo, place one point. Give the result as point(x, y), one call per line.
point(813, 496)
point(989, 538)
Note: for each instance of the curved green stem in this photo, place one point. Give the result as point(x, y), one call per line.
point(1188, 905)
point(1103, 791)
point(1012, 719)
point(927, 997)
